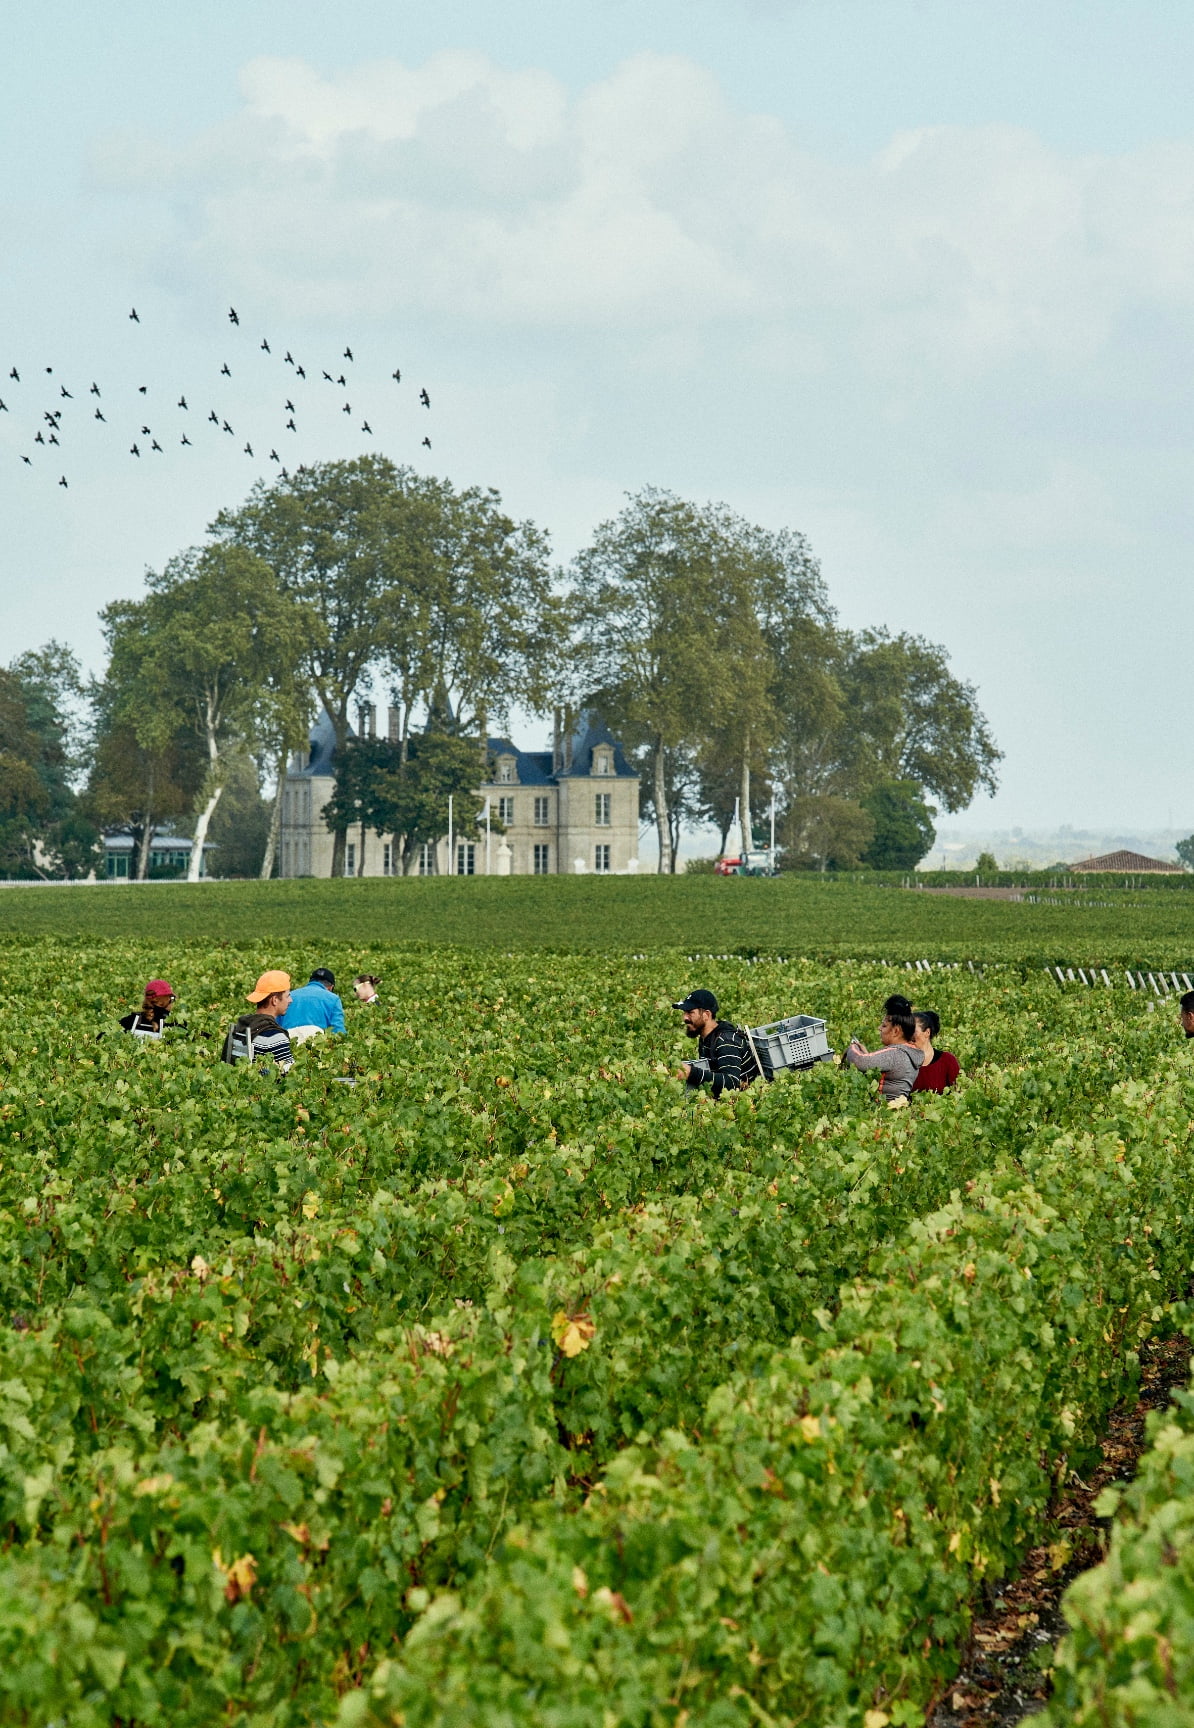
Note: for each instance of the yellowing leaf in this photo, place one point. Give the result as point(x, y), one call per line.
point(810, 1427)
point(572, 1336)
point(580, 1582)
point(240, 1575)
point(876, 1719)
point(310, 1204)
point(200, 1267)
point(154, 1484)
point(617, 1604)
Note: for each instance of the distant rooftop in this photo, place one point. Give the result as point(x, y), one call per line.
point(1129, 863)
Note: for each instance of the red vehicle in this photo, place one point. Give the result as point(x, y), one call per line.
point(754, 864)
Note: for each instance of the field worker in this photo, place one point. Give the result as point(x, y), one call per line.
point(366, 987)
point(314, 1007)
point(898, 1061)
point(149, 1020)
point(724, 1061)
point(1186, 1013)
point(260, 1033)
point(939, 1069)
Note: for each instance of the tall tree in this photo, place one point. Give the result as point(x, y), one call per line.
point(400, 571)
point(221, 636)
point(647, 606)
point(327, 534)
point(913, 720)
point(146, 767)
point(42, 832)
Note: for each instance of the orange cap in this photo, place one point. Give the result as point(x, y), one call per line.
point(269, 984)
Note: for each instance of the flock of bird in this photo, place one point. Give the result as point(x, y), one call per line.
point(67, 406)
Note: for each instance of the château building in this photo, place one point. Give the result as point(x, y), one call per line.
point(572, 809)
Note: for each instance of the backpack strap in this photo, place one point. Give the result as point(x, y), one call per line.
point(754, 1052)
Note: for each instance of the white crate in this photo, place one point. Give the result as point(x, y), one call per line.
point(796, 1042)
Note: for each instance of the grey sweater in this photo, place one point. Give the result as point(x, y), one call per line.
point(899, 1065)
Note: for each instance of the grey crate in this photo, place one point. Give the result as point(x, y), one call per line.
point(796, 1042)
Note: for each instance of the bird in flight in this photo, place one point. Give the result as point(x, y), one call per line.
point(299, 372)
point(265, 347)
point(94, 391)
point(3, 406)
point(62, 482)
point(329, 378)
point(396, 374)
point(347, 408)
point(65, 392)
point(155, 445)
point(53, 439)
point(99, 415)
point(342, 380)
point(224, 372)
point(290, 426)
point(365, 427)
point(288, 358)
point(182, 402)
point(15, 374)
point(145, 432)
point(214, 418)
point(133, 450)
point(133, 316)
point(232, 317)
point(227, 428)
point(26, 461)
point(424, 398)
point(274, 457)
point(39, 439)
point(143, 389)
point(348, 353)
point(248, 449)
point(289, 406)
point(427, 442)
point(185, 439)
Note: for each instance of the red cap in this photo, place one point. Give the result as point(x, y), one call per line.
point(159, 987)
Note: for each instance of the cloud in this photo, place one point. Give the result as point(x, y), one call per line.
point(646, 204)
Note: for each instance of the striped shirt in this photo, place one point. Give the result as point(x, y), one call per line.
point(262, 1034)
point(723, 1061)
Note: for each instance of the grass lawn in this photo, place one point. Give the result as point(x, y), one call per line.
point(790, 915)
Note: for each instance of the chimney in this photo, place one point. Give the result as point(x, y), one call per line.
point(393, 725)
point(557, 759)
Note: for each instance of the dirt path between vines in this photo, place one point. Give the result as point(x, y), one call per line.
point(1001, 1680)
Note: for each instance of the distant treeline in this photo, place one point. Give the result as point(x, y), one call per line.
point(709, 645)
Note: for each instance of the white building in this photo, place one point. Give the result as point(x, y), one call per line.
point(571, 809)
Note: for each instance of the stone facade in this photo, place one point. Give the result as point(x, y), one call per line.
point(569, 810)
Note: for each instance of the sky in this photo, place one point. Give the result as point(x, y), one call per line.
point(915, 277)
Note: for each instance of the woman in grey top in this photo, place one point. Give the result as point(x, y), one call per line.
point(899, 1059)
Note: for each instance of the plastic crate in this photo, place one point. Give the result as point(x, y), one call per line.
point(797, 1042)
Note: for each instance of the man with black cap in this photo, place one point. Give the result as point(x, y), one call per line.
point(724, 1058)
point(314, 1007)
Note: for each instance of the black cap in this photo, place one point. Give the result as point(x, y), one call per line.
point(321, 975)
point(698, 999)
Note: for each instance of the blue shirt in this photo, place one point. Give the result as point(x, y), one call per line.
point(313, 1005)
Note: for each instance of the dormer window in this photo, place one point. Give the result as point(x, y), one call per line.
point(506, 772)
point(603, 762)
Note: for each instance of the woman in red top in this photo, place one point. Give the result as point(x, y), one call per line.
point(940, 1067)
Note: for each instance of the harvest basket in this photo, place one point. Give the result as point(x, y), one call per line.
point(797, 1042)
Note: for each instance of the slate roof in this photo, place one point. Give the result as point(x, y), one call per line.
point(1134, 863)
point(323, 748)
point(533, 767)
